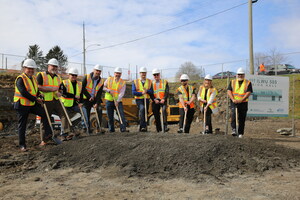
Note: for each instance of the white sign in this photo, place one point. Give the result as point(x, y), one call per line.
point(270, 97)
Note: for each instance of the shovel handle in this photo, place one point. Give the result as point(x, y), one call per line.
point(117, 108)
point(184, 120)
point(65, 111)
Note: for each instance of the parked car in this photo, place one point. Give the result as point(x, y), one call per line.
point(280, 69)
point(224, 75)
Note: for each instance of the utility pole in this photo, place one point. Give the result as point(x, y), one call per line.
point(251, 60)
point(84, 49)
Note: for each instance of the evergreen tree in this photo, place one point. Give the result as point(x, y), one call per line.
point(37, 55)
point(57, 53)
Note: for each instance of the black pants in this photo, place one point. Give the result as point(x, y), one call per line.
point(242, 113)
point(156, 111)
point(22, 113)
point(208, 119)
point(87, 106)
point(189, 120)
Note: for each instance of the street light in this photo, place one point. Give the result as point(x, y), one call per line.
point(84, 53)
point(251, 63)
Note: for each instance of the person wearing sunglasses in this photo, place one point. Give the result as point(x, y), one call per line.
point(187, 95)
point(238, 91)
point(48, 83)
point(159, 100)
point(208, 102)
point(71, 89)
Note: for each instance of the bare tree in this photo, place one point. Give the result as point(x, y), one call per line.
point(191, 70)
point(275, 57)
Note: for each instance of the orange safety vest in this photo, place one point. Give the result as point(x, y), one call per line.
point(50, 82)
point(90, 84)
point(185, 96)
point(159, 92)
point(68, 102)
point(261, 68)
point(114, 87)
point(214, 104)
point(238, 91)
point(31, 87)
point(140, 88)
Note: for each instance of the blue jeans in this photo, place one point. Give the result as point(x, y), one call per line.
point(87, 106)
point(141, 107)
point(110, 107)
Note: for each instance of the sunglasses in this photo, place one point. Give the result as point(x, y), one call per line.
point(184, 80)
point(73, 75)
point(241, 74)
point(155, 74)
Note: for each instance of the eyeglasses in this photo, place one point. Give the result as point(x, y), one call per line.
point(155, 74)
point(73, 75)
point(241, 74)
point(184, 80)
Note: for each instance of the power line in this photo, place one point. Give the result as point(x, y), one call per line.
point(167, 30)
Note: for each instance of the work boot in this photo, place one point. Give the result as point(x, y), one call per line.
point(234, 132)
point(180, 130)
point(143, 129)
point(240, 136)
point(166, 130)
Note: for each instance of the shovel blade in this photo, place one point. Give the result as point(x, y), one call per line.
point(56, 140)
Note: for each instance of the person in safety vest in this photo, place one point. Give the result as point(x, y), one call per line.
point(159, 100)
point(238, 91)
point(71, 90)
point(115, 89)
point(208, 101)
point(26, 101)
point(187, 95)
point(142, 88)
point(48, 83)
point(262, 69)
point(92, 87)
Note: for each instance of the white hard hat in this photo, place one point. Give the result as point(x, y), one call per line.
point(143, 69)
point(118, 70)
point(155, 71)
point(240, 71)
point(73, 71)
point(208, 77)
point(184, 77)
point(53, 61)
point(98, 67)
point(29, 63)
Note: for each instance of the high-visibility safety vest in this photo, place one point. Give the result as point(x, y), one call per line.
point(49, 82)
point(214, 105)
point(68, 102)
point(31, 87)
point(159, 92)
point(185, 95)
point(238, 91)
point(140, 88)
point(89, 85)
point(261, 68)
point(114, 87)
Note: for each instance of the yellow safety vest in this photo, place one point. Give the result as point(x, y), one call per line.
point(31, 87)
point(185, 96)
point(214, 104)
point(68, 102)
point(114, 87)
point(50, 82)
point(140, 88)
point(238, 91)
point(90, 84)
point(159, 93)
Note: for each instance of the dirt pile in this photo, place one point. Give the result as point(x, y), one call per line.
point(170, 156)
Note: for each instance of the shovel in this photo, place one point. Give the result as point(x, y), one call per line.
point(65, 111)
point(98, 121)
point(236, 121)
point(117, 108)
point(162, 119)
point(56, 140)
point(84, 119)
point(184, 120)
point(204, 121)
point(145, 104)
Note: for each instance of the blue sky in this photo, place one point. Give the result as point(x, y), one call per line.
point(217, 39)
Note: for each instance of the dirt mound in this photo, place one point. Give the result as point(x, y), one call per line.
point(171, 156)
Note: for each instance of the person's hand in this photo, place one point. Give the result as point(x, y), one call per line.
point(188, 102)
point(58, 94)
point(185, 109)
point(203, 101)
point(239, 101)
point(144, 92)
point(95, 106)
point(54, 89)
point(205, 108)
point(162, 101)
point(116, 104)
point(91, 99)
point(156, 101)
point(77, 97)
point(40, 101)
point(80, 105)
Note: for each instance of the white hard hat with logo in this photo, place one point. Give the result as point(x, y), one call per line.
point(53, 62)
point(240, 71)
point(73, 71)
point(155, 71)
point(143, 69)
point(29, 63)
point(208, 77)
point(98, 67)
point(184, 77)
point(118, 70)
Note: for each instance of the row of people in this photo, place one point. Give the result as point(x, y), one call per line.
point(75, 96)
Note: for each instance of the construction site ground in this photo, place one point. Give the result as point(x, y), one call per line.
point(262, 165)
